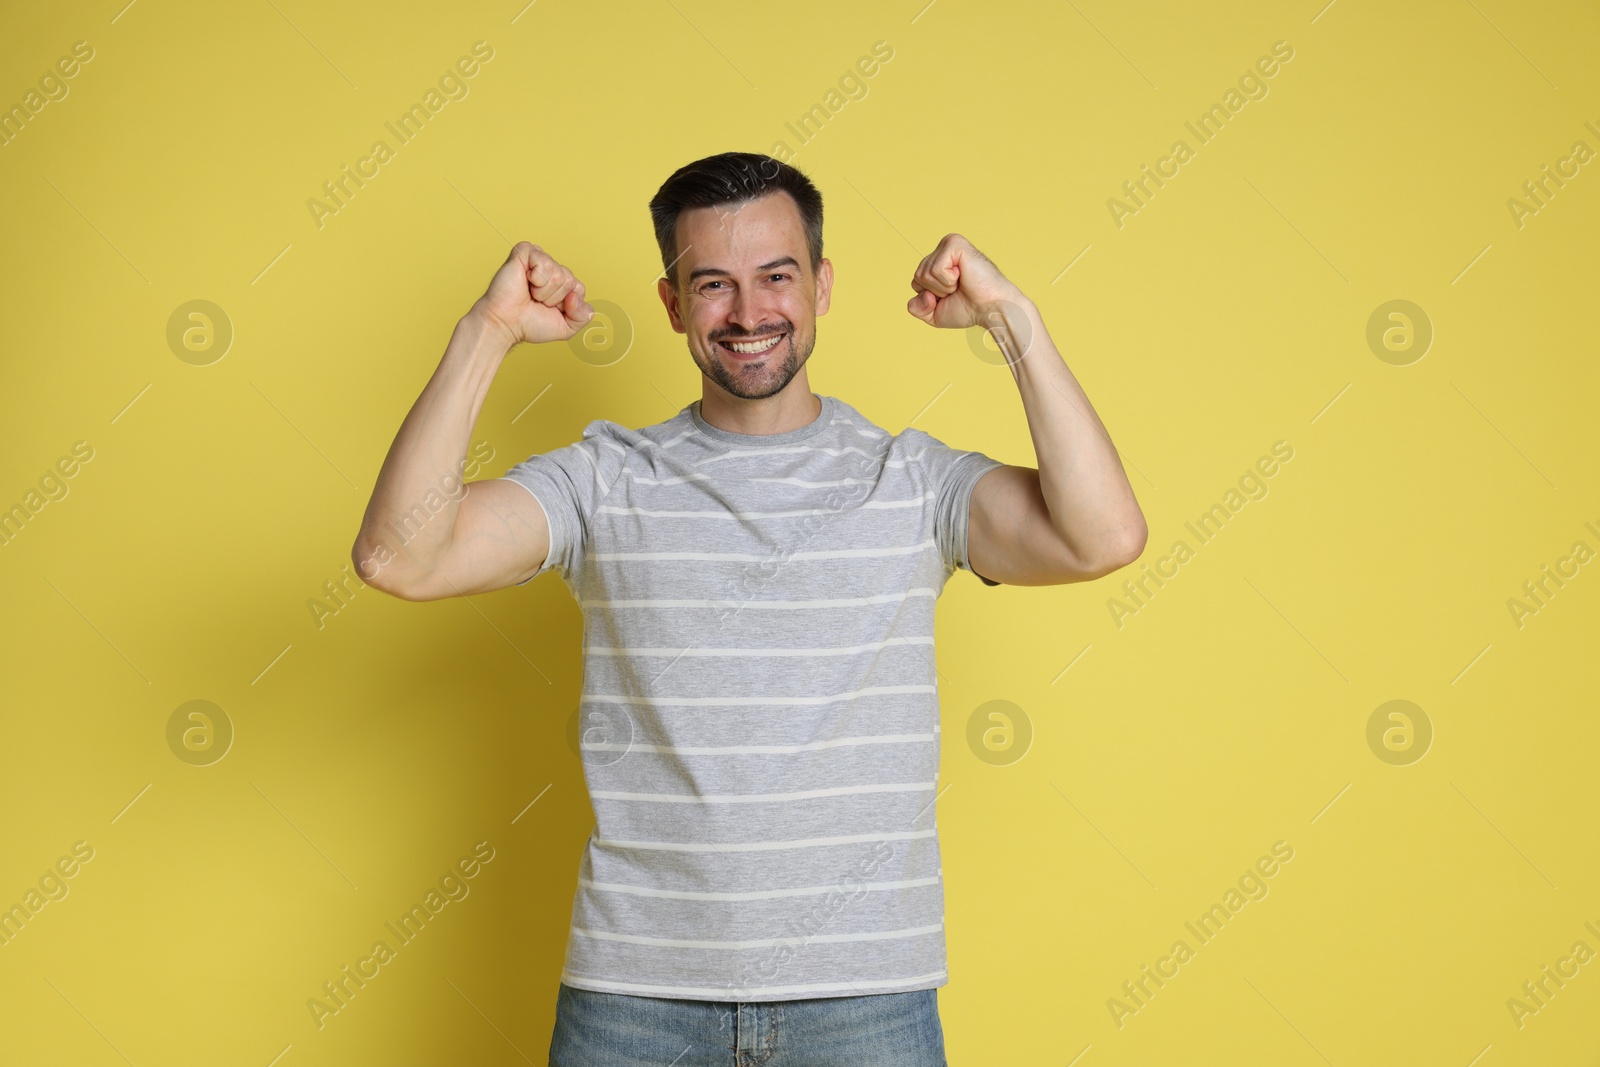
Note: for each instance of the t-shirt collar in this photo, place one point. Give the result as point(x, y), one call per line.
point(815, 426)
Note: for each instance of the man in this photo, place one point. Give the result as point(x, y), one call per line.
point(757, 576)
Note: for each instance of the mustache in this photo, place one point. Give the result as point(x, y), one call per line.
point(741, 338)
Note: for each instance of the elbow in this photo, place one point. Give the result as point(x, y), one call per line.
point(373, 565)
point(401, 576)
point(1124, 548)
point(1134, 540)
point(402, 584)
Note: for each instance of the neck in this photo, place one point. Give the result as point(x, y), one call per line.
point(791, 408)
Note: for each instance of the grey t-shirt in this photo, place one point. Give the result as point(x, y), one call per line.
point(760, 711)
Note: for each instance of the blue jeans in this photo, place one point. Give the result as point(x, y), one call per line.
point(622, 1030)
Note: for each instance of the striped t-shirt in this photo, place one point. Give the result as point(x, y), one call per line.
point(759, 711)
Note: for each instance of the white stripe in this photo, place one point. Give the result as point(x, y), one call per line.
point(726, 993)
point(725, 513)
point(641, 480)
point(594, 465)
point(769, 605)
point(816, 485)
point(761, 846)
point(762, 557)
point(766, 942)
point(780, 450)
point(723, 702)
point(835, 650)
point(760, 798)
point(756, 894)
point(754, 750)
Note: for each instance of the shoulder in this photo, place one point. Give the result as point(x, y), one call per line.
point(922, 456)
point(939, 466)
point(606, 439)
point(921, 450)
point(851, 427)
point(590, 466)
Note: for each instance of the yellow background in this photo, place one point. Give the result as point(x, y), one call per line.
point(1229, 313)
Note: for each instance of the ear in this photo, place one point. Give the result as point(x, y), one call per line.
point(824, 285)
point(669, 299)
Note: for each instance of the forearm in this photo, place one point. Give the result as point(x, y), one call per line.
point(1091, 504)
point(404, 531)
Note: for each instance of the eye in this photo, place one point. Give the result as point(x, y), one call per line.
point(708, 285)
point(780, 274)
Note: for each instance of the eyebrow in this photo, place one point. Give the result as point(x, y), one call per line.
point(699, 272)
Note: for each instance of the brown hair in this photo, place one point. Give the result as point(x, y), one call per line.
point(732, 178)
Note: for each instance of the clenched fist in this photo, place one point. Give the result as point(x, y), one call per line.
point(957, 287)
point(534, 298)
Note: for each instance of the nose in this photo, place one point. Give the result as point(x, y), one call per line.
point(748, 312)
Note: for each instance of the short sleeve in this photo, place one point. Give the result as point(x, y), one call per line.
point(951, 474)
point(568, 484)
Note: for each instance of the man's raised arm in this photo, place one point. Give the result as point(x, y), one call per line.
point(1073, 519)
point(489, 534)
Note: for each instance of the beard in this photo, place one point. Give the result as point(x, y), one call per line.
point(760, 378)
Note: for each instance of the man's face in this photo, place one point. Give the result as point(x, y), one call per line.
point(746, 280)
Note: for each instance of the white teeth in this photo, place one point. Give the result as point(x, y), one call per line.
point(753, 347)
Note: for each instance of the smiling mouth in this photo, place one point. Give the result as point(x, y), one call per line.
point(749, 349)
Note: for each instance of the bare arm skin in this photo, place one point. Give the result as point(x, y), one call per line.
point(1073, 519)
point(488, 534)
